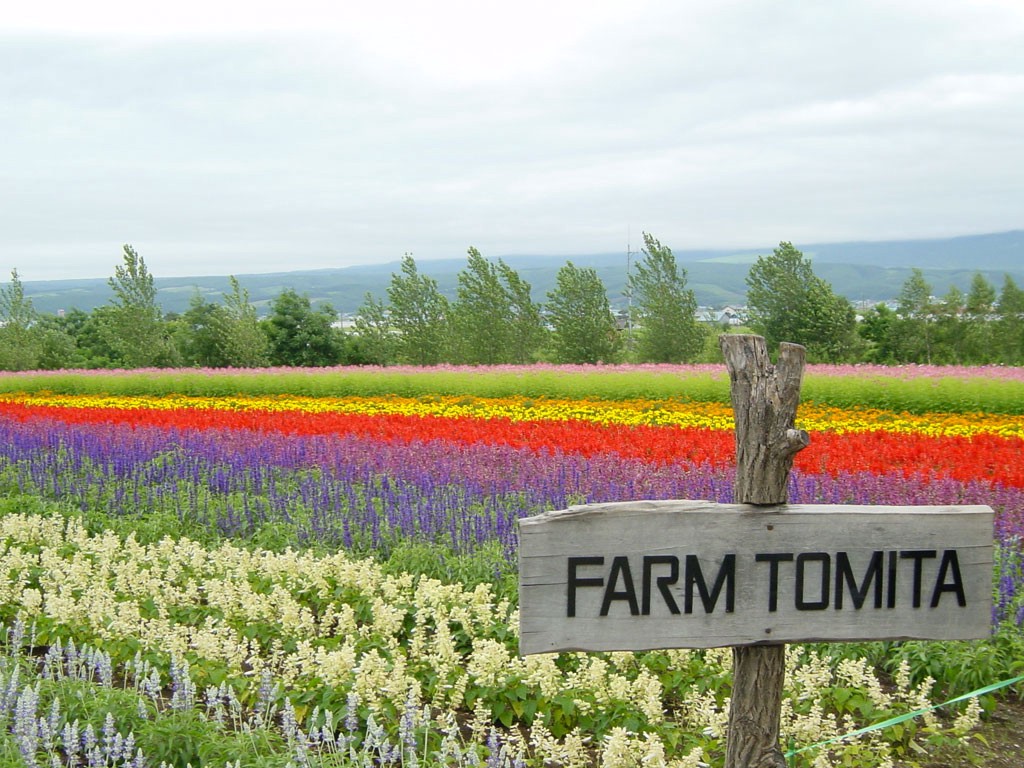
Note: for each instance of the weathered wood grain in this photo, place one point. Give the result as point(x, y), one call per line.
point(666, 533)
point(764, 400)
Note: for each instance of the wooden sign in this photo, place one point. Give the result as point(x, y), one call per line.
point(691, 574)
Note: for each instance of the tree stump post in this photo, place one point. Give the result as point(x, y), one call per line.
point(764, 400)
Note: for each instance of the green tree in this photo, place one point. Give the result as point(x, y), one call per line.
point(196, 333)
point(375, 340)
point(494, 319)
point(1009, 328)
point(419, 316)
point(528, 332)
point(786, 301)
point(981, 297)
point(300, 335)
point(239, 338)
point(665, 309)
point(876, 330)
point(135, 329)
point(579, 313)
point(90, 338)
point(950, 339)
point(20, 338)
point(914, 330)
point(59, 349)
point(979, 321)
point(481, 313)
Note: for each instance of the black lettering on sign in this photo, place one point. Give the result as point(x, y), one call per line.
point(620, 568)
point(773, 561)
point(576, 581)
point(859, 592)
point(950, 562)
point(726, 578)
point(819, 580)
point(918, 556)
point(663, 582)
point(824, 590)
point(891, 593)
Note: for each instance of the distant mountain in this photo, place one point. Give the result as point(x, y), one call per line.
point(868, 271)
point(1003, 251)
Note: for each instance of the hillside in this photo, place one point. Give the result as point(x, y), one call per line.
point(867, 271)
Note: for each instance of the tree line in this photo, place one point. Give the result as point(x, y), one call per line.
point(493, 319)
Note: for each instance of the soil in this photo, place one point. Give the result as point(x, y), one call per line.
point(998, 742)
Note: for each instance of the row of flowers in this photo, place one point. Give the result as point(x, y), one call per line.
point(369, 475)
point(917, 389)
point(364, 493)
point(979, 455)
point(645, 412)
point(343, 636)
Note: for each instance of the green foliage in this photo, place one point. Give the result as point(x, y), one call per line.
point(581, 317)
point(666, 310)
point(89, 703)
point(786, 301)
point(1009, 328)
point(528, 332)
point(495, 321)
point(90, 342)
point(876, 330)
point(197, 333)
point(254, 749)
point(238, 338)
point(178, 738)
point(419, 315)
point(912, 334)
point(300, 335)
point(979, 309)
point(955, 329)
point(923, 395)
point(951, 394)
point(377, 341)
point(951, 329)
point(981, 299)
point(607, 383)
point(417, 325)
point(58, 349)
point(20, 338)
point(488, 564)
point(956, 667)
point(133, 328)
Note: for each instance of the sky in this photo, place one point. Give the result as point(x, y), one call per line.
point(237, 138)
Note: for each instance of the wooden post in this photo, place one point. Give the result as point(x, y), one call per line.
point(633, 576)
point(764, 400)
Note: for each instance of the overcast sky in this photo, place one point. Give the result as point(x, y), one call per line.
point(233, 138)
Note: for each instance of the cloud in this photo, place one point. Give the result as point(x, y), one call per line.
point(221, 138)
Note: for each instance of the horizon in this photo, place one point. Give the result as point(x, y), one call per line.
point(865, 272)
point(635, 250)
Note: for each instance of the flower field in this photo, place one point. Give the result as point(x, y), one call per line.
point(319, 567)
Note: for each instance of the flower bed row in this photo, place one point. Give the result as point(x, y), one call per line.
point(989, 450)
point(647, 412)
point(277, 492)
point(345, 638)
point(912, 389)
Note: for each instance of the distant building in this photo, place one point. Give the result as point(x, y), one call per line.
point(725, 316)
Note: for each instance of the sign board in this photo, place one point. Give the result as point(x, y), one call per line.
point(643, 575)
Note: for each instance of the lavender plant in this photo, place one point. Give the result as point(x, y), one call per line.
point(369, 497)
point(63, 709)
